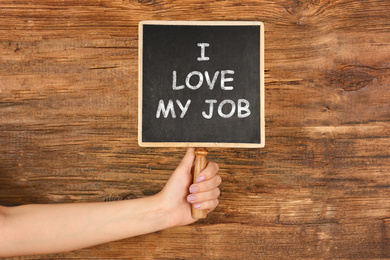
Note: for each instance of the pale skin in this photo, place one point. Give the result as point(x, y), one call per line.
point(54, 228)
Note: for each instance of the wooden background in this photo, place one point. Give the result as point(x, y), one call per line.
point(319, 189)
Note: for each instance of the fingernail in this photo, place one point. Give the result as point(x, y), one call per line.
point(194, 189)
point(191, 198)
point(198, 205)
point(200, 178)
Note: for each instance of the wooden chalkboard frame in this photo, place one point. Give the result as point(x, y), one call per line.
point(201, 144)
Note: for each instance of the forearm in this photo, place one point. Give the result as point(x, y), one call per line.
point(40, 229)
point(44, 229)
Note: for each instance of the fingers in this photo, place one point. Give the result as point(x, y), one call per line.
point(206, 185)
point(209, 172)
point(209, 205)
point(204, 196)
point(205, 200)
point(205, 193)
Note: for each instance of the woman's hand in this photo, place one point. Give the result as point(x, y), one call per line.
point(179, 191)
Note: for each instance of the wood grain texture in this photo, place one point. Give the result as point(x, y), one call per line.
point(319, 189)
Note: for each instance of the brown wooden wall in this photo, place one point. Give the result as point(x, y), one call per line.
point(319, 189)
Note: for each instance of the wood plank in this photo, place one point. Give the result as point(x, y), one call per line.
point(319, 189)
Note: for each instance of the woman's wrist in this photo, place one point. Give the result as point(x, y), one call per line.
point(173, 211)
point(162, 212)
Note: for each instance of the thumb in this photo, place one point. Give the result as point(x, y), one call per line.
point(187, 161)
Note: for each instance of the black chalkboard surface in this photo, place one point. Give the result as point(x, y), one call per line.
point(201, 84)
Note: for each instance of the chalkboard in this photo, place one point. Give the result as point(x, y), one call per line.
point(201, 84)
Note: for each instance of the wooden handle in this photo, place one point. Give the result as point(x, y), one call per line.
point(199, 165)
